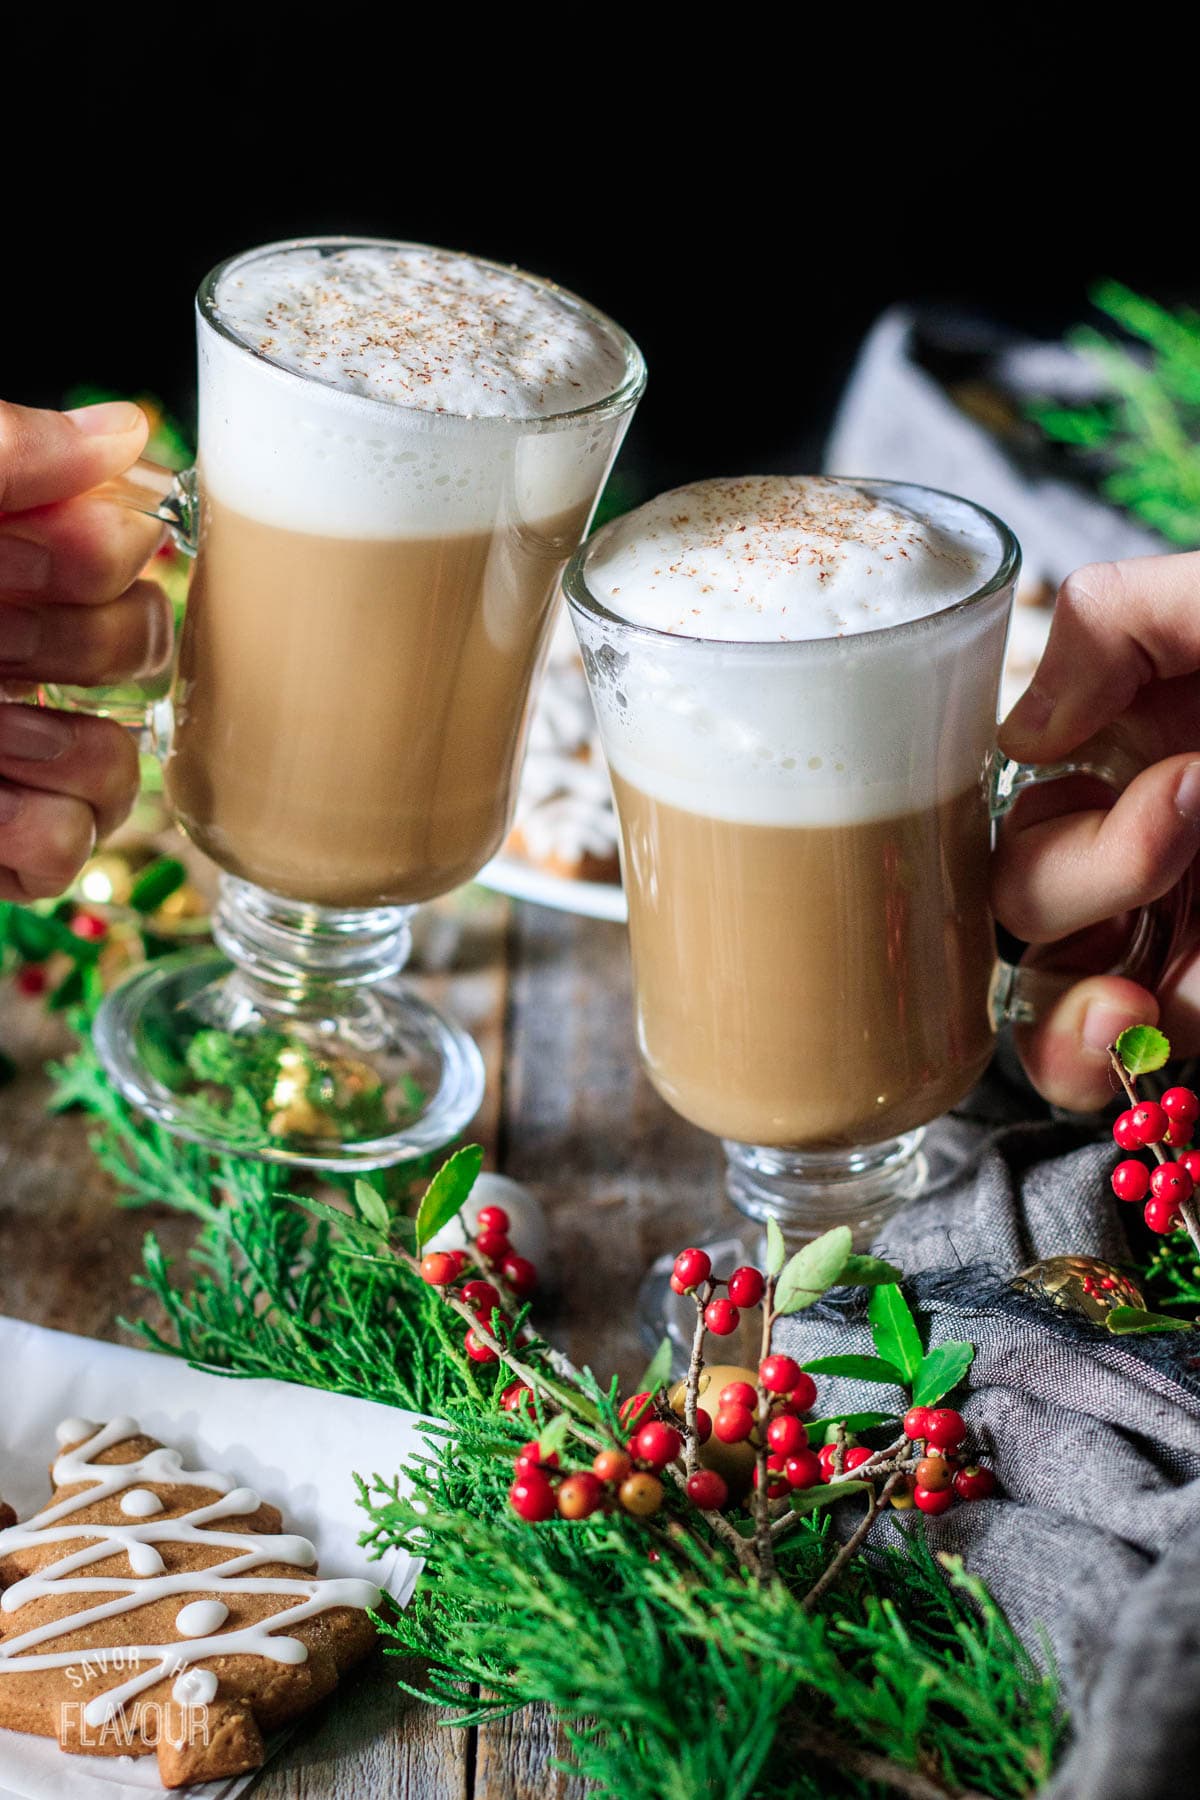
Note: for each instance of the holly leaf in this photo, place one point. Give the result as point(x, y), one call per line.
point(813, 1270)
point(940, 1371)
point(857, 1368)
point(869, 1271)
point(1126, 1319)
point(819, 1429)
point(776, 1248)
point(553, 1436)
point(372, 1206)
point(806, 1500)
point(894, 1330)
point(157, 883)
point(1142, 1049)
point(443, 1198)
point(658, 1370)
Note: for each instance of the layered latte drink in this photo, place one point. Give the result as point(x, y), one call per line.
point(798, 714)
point(399, 448)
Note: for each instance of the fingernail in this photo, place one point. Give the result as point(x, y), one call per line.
point(34, 734)
point(109, 419)
point(24, 565)
point(1187, 792)
point(1031, 715)
point(1103, 1025)
point(12, 801)
point(20, 634)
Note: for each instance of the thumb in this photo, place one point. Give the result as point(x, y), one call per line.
point(1066, 1052)
point(48, 456)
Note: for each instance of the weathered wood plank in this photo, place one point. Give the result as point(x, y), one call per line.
point(372, 1741)
point(623, 1179)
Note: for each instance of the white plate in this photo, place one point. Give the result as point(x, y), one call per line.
point(522, 880)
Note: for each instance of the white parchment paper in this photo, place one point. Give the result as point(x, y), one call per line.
point(298, 1447)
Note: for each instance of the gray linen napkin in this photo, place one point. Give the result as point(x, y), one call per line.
point(1095, 1540)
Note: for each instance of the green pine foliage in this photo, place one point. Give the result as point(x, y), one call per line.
point(1145, 436)
point(675, 1673)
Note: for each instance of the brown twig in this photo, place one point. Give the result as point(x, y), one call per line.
point(917, 1786)
point(898, 1458)
point(691, 1393)
point(1188, 1212)
point(853, 1543)
point(760, 1504)
point(522, 1370)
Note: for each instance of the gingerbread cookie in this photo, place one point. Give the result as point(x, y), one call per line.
point(150, 1607)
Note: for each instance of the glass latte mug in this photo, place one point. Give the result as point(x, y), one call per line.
point(372, 591)
point(806, 828)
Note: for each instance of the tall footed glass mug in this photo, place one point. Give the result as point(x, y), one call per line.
point(398, 450)
point(796, 681)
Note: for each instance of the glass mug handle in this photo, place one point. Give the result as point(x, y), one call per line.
point(1022, 995)
point(170, 497)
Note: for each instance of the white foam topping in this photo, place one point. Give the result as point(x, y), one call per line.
point(436, 392)
point(787, 556)
point(421, 328)
point(763, 702)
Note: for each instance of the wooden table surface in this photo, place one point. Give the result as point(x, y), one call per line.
point(567, 1111)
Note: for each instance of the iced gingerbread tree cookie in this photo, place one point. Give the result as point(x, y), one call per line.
point(153, 1608)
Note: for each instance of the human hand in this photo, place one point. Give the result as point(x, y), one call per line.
point(1124, 650)
point(72, 610)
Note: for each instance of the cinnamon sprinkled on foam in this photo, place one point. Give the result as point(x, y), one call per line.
point(422, 328)
point(785, 557)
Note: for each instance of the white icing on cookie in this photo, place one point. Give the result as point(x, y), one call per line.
point(114, 1595)
point(200, 1618)
point(140, 1503)
point(71, 1431)
point(195, 1687)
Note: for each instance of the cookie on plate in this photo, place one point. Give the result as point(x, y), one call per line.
point(149, 1607)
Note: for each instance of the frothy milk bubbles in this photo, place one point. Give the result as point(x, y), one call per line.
point(838, 736)
point(447, 343)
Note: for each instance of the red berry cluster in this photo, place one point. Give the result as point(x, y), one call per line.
point(1148, 1126)
point(32, 979)
point(943, 1472)
point(443, 1268)
point(722, 1312)
point(626, 1480)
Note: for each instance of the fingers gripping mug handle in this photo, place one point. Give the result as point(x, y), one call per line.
point(171, 498)
point(1022, 995)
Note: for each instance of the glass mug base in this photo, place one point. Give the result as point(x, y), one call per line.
point(292, 1042)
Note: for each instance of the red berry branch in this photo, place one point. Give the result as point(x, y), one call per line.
point(1166, 1193)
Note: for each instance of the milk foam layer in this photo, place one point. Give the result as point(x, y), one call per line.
point(777, 556)
point(832, 729)
point(395, 391)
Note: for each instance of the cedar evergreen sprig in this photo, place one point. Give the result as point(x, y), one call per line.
point(685, 1676)
point(1146, 434)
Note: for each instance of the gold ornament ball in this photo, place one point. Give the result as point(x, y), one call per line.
point(734, 1462)
point(1079, 1284)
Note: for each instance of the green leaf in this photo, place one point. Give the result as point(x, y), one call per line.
point(1143, 1049)
point(658, 1370)
point(895, 1330)
point(776, 1248)
point(443, 1198)
point(813, 1270)
point(857, 1368)
point(819, 1430)
point(372, 1206)
point(553, 1436)
point(805, 1500)
point(940, 1371)
point(868, 1271)
point(1125, 1319)
point(157, 883)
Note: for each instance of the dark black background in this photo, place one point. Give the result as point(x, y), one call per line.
point(743, 220)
